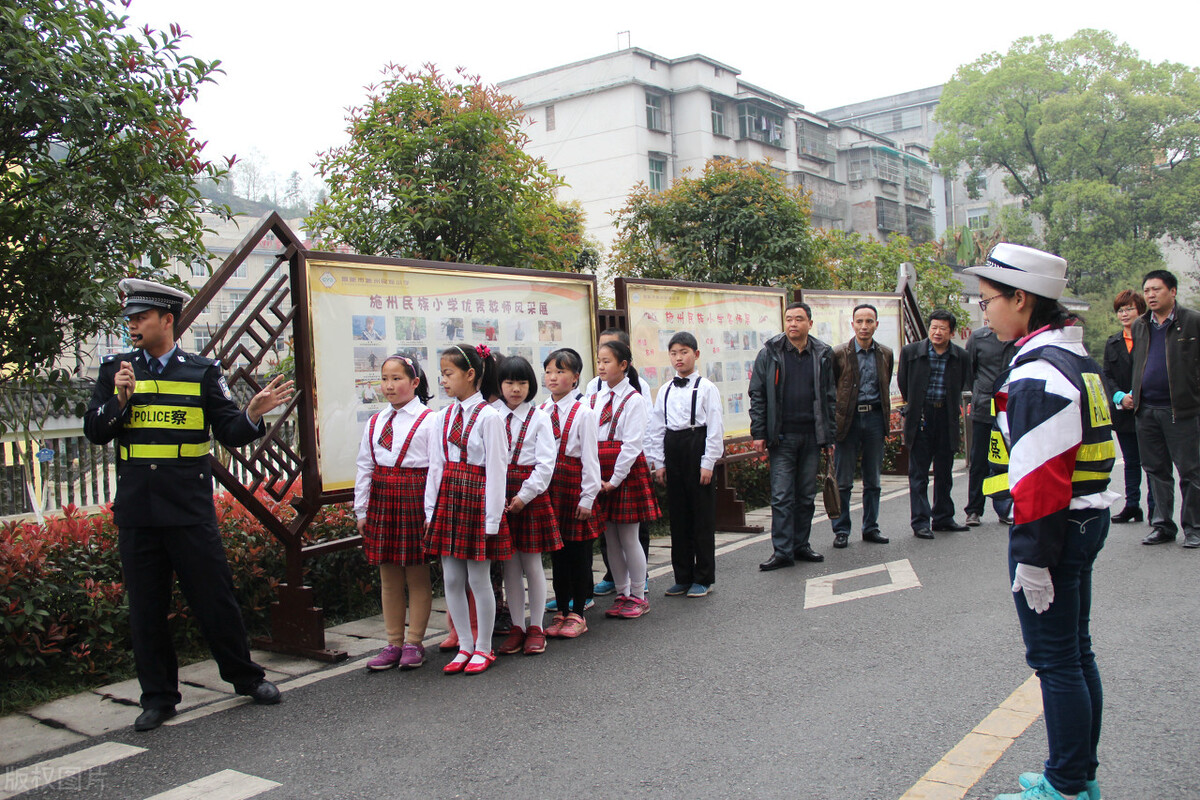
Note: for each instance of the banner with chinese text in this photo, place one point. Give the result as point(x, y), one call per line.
point(363, 312)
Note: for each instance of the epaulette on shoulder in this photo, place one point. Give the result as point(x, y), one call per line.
point(201, 361)
point(119, 357)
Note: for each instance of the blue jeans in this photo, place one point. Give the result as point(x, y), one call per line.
point(794, 461)
point(865, 437)
point(1058, 646)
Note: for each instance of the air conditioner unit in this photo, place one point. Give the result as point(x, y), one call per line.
point(854, 175)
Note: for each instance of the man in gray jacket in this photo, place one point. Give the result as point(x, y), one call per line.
point(792, 415)
point(1166, 400)
point(987, 357)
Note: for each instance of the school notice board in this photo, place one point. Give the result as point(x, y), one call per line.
point(833, 315)
point(730, 324)
point(363, 311)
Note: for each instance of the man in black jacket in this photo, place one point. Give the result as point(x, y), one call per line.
point(1166, 399)
point(792, 411)
point(159, 404)
point(931, 375)
point(987, 357)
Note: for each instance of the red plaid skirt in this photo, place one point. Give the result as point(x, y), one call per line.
point(460, 518)
point(535, 528)
point(632, 501)
point(396, 517)
point(564, 491)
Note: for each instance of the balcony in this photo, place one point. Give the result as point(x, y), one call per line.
point(817, 148)
point(888, 216)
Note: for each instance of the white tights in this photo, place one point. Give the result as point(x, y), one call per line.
point(627, 559)
point(457, 573)
point(521, 566)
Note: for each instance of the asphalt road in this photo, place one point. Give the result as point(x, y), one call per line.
point(741, 694)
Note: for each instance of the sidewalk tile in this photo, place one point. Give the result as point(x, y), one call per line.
point(372, 627)
point(207, 674)
point(131, 691)
point(353, 645)
point(25, 737)
point(87, 713)
point(284, 663)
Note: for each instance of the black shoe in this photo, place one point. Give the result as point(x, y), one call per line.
point(1128, 514)
point(151, 718)
point(841, 540)
point(1006, 520)
point(973, 520)
point(1158, 536)
point(775, 562)
point(262, 692)
point(875, 537)
point(923, 533)
point(951, 526)
point(806, 553)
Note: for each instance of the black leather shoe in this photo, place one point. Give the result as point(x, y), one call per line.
point(875, 537)
point(775, 562)
point(1158, 536)
point(151, 718)
point(923, 533)
point(264, 693)
point(1006, 520)
point(841, 540)
point(1128, 514)
point(806, 553)
point(951, 527)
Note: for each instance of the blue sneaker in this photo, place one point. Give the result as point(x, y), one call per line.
point(699, 590)
point(604, 588)
point(552, 605)
point(1041, 790)
point(1028, 779)
point(677, 589)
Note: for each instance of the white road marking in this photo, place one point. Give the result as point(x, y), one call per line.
point(819, 591)
point(228, 784)
point(63, 768)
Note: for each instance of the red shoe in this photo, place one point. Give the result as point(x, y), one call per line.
point(513, 643)
point(458, 664)
point(574, 626)
point(617, 606)
point(556, 626)
point(535, 641)
point(450, 642)
point(474, 669)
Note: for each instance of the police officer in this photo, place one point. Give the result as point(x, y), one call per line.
point(159, 404)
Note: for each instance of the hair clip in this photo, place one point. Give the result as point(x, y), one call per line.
point(483, 350)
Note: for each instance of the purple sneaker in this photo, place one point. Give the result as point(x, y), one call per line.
point(412, 656)
point(388, 658)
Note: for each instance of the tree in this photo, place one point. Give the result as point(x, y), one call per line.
point(862, 264)
point(435, 169)
point(98, 173)
point(1099, 143)
point(736, 223)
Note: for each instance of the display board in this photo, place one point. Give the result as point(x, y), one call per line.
point(833, 313)
point(363, 309)
point(730, 324)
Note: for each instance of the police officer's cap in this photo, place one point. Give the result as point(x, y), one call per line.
point(141, 295)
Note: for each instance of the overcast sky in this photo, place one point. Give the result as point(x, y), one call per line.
point(292, 69)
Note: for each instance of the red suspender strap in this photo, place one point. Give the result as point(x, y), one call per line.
point(520, 443)
point(612, 425)
point(566, 431)
point(467, 431)
point(408, 439)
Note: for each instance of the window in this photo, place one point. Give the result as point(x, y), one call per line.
point(718, 117)
point(653, 63)
point(893, 121)
point(240, 272)
point(977, 218)
point(199, 269)
point(888, 215)
point(654, 112)
point(761, 123)
point(658, 173)
point(199, 341)
point(549, 118)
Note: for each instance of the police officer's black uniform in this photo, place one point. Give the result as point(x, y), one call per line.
point(165, 516)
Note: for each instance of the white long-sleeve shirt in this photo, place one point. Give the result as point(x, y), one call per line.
point(677, 416)
point(418, 451)
point(596, 385)
point(539, 450)
point(581, 443)
point(486, 447)
point(631, 424)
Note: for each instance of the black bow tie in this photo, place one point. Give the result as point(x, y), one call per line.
point(680, 382)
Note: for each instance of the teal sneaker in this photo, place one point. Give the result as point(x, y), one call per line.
point(677, 589)
point(1041, 790)
point(552, 605)
point(699, 590)
point(604, 588)
point(1028, 779)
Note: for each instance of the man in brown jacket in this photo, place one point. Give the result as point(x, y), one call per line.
point(862, 373)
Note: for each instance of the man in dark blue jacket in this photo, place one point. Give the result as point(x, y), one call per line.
point(793, 404)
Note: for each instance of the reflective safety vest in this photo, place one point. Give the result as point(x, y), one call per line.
point(1096, 454)
point(166, 417)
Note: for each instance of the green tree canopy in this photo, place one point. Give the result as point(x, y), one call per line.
point(861, 264)
point(737, 223)
point(99, 175)
point(434, 168)
point(1099, 142)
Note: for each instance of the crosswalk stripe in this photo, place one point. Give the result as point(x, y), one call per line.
point(228, 784)
point(34, 776)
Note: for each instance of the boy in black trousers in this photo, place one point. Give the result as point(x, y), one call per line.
point(684, 439)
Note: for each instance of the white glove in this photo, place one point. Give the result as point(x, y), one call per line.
point(1036, 583)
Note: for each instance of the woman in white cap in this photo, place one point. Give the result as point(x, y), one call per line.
point(1052, 452)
